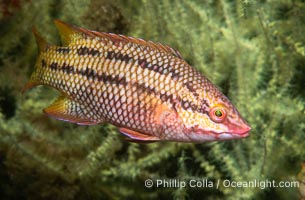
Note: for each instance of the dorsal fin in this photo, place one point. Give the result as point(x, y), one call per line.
point(69, 33)
point(151, 44)
point(146, 44)
point(41, 42)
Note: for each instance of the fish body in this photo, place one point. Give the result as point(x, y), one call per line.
point(144, 88)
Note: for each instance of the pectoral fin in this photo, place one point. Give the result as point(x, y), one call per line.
point(137, 136)
point(66, 109)
point(164, 115)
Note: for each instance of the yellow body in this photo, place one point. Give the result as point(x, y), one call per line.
point(145, 88)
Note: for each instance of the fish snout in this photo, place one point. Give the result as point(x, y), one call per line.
point(242, 130)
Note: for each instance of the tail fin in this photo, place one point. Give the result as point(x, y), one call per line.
point(69, 33)
point(41, 42)
point(42, 46)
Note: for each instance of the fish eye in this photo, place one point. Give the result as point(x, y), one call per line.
point(218, 114)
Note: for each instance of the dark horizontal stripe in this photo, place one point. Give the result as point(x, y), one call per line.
point(190, 86)
point(143, 63)
point(54, 66)
point(88, 73)
point(161, 69)
point(117, 80)
point(65, 68)
point(43, 63)
point(91, 74)
point(82, 51)
point(156, 68)
point(141, 88)
point(68, 69)
point(63, 50)
point(118, 56)
point(174, 76)
point(203, 106)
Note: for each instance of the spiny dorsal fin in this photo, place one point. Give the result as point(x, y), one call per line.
point(157, 46)
point(41, 42)
point(69, 33)
point(140, 42)
point(68, 110)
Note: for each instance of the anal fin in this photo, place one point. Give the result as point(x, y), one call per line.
point(29, 85)
point(66, 109)
point(137, 136)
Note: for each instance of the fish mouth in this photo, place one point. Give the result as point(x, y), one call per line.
point(231, 136)
point(242, 130)
point(198, 134)
point(236, 133)
point(242, 135)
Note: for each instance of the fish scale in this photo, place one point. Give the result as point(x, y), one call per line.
point(144, 88)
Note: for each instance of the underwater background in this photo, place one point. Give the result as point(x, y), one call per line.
point(253, 50)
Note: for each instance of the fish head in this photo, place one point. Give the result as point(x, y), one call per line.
point(219, 120)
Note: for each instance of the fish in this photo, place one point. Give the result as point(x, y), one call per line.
point(144, 88)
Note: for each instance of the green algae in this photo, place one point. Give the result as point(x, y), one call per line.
point(253, 50)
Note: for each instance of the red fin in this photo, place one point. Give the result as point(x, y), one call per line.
point(134, 135)
point(66, 110)
point(140, 141)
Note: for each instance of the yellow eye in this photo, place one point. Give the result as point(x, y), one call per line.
point(218, 114)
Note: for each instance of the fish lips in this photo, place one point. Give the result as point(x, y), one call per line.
point(199, 135)
point(235, 133)
point(230, 136)
point(242, 131)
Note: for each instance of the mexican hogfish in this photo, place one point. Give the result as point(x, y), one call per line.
point(144, 88)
